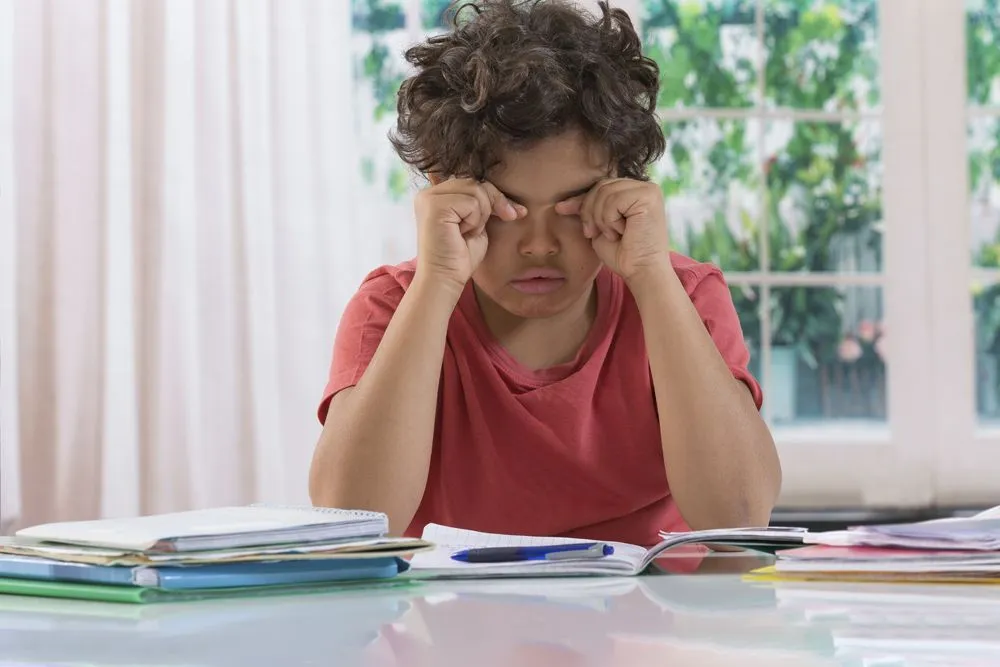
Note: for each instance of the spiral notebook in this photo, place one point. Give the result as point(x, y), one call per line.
point(216, 528)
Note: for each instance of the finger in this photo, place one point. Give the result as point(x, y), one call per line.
point(470, 204)
point(500, 206)
point(586, 211)
point(571, 206)
point(464, 209)
point(458, 196)
point(574, 207)
point(593, 208)
point(478, 224)
point(611, 208)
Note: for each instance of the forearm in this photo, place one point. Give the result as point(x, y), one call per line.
point(720, 458)
point(376, 453)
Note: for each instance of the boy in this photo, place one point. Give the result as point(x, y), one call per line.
point(545, 366)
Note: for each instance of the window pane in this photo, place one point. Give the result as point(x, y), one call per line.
point(986, 304)
point(379, 69)
point(984, 170)
point(824, 185)
point(706, 50)
point(983, 49)
point(710, 181)
point(378, 41)
point(376, 16)
point(821, 54)
point(432, 13)
point(828, 347)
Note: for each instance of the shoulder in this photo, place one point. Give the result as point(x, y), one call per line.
point(389, 281)
point(694, 274)
point(702, 281)
point(377, 297)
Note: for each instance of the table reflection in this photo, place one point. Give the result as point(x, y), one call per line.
point(706, 618)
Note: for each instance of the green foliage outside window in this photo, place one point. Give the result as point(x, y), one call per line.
point(816, 55)
point(377, 16)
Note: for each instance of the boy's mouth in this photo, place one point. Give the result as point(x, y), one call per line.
point(538, 281)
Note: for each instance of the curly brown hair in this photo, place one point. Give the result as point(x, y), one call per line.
point(512, 72)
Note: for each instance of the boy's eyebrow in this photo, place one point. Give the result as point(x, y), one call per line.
point(560, 197)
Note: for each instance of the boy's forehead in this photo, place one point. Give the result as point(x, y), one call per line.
point(551, 169)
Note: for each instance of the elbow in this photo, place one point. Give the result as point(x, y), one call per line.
point(321, 492)
point(746, 507)
point(754, 515)
point(739, 515)
point(330, 489)
point(762, 484)
point(753, 507)
point(325, 489)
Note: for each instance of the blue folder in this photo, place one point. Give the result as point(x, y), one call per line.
point(195, 577)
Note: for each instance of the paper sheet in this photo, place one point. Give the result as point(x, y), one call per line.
point(460, 538)
point(363, 548)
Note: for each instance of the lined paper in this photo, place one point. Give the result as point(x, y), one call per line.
point(438, 562)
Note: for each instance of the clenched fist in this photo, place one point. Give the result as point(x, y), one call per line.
point(451, 227)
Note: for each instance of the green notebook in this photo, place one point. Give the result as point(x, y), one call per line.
point(140, 595)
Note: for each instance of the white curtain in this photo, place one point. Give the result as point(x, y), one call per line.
point(178, 236)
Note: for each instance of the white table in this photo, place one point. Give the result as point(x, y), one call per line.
point(705, 619)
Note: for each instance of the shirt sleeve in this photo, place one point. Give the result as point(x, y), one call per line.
point(713, 301)
point(359, 334)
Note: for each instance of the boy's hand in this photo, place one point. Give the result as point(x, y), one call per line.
point(451, 227)
point(626, 223)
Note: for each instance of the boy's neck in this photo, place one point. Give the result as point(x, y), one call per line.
point(538, 343)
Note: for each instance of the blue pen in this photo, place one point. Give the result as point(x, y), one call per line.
point(576, 551)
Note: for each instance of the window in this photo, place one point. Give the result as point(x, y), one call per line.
point(817, 152)
point(962, 108)
point(791, 165)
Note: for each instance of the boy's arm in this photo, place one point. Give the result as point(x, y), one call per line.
point(375, 448)
point(721, 462)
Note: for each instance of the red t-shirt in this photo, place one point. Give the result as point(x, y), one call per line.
point(572, 450)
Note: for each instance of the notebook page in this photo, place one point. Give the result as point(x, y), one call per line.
point(460, 538)
point(626, 559)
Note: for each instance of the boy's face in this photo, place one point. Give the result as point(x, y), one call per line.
point(542, 264)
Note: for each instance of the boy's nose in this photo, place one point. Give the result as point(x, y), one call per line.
point(538, 240)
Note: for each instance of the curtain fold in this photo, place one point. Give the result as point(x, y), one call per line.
point(10, 485)
point(178, 236)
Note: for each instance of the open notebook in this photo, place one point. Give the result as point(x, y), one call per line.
point(627, 559)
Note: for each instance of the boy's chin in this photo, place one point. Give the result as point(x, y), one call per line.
point(536, 306)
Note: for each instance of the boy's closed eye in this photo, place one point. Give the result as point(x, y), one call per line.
point(518, 198)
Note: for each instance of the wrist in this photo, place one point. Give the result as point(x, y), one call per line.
point(655, 280)
point(436, 289)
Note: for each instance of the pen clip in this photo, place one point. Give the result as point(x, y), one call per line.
point(598, 550)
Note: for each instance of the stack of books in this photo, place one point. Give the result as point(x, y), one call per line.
point(203, 553)
point(965, 550)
